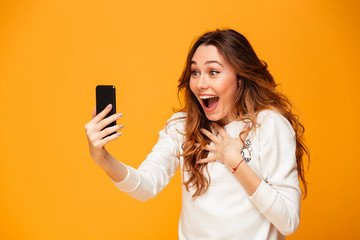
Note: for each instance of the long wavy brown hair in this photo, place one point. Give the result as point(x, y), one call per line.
point(256, 92)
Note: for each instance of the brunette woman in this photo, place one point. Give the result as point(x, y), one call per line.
point(237, 142)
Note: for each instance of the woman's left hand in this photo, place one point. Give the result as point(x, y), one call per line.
point(226, 150)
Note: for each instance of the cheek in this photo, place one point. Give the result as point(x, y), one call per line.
point(228, 89)
point(192, 86)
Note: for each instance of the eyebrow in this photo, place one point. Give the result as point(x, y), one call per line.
point(208, 62)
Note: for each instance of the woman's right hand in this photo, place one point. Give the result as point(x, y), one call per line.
point(96, 134)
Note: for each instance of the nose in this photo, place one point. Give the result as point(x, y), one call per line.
point(202, 82)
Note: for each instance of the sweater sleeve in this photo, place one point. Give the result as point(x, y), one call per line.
point(278, 195)
point(159, 166)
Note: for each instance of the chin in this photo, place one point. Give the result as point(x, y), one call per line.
point(221, 120)
point(213, 117)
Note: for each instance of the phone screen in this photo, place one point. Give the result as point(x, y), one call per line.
point(105, 95)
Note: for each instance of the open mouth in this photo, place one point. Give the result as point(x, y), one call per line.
point(209, 102)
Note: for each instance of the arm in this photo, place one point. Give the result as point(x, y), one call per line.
point(97, 141)
point(153, 174)
point(159, 166)
point(277, 194)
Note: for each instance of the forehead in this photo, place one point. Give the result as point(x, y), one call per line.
point(207, 52)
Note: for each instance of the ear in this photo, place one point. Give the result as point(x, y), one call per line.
point(239, 82)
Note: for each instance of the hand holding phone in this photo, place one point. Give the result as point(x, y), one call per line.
point(102, 128)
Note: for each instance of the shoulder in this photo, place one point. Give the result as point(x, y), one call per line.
point(176, 123)
point(269, 115)
point(178, 115)
point(272, 121)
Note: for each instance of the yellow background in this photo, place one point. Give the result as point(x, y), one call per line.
point(54, 53)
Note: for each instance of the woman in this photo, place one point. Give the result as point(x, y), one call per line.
point(237, 142)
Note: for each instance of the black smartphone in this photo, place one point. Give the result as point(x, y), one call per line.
point(105, 95)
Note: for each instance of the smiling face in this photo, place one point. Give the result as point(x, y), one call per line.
point(214, 83)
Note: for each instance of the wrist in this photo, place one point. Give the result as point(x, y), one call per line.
point(234, 164)
point(102, 159)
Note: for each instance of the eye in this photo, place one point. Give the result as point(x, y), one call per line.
point(214, 73)
point(195, 73)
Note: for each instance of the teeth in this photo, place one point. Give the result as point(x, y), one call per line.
point(207, 97)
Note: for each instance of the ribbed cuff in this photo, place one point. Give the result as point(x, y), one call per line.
point(131, 181)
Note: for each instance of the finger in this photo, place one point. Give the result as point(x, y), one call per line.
point(206, 160)
point(110, 130)
point(210, 148)
point(111, 138)
point(102, 114)
point(220, 130)
point(93, 113)
point(210, 135)
point(91, 123)
point(103, 123)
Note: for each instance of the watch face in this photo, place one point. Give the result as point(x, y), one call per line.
point(246, 151)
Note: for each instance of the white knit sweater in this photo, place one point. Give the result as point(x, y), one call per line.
point(226, 211)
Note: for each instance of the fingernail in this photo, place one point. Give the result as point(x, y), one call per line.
point(109, 106)
point(121, 126)
point(119, 115)
point(119, 133)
